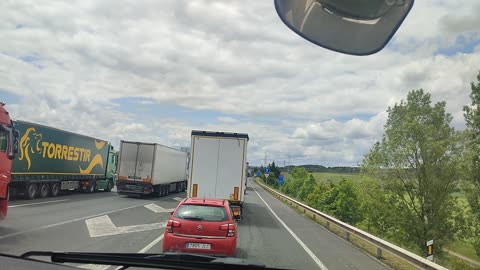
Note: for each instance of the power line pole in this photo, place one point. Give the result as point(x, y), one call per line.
point(265, 162)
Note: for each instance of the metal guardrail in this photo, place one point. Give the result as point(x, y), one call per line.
point(381, 244)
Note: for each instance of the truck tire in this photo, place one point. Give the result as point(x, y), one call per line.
point(109, 186)
point(43, 190)
point(30, 191)
point(55, 189)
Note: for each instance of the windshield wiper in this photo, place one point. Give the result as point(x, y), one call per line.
point(172, 261)
point(192, 218)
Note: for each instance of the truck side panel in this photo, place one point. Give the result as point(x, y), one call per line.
point(203, 166)
point(49, 151)
point(169, 165)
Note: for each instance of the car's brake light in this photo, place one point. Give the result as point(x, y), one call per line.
point(172, 224)
point(230, 228)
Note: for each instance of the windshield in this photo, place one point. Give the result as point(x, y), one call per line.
point(4, 136)
point(201, 212)
point(280, 152)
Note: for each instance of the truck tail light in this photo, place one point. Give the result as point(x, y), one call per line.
point(229, 228)
point(194, 191)
point(235, 193)
point(172, 224)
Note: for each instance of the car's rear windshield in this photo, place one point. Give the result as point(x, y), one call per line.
point(201, 212)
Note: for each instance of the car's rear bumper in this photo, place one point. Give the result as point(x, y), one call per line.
point(220, 247)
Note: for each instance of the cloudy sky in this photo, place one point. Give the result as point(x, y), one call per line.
point(154, 70)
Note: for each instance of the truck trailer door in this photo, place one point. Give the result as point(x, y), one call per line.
point(230, 171)
point(204, 167)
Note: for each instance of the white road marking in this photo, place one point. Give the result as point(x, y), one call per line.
point(94, 266)
point(178, 198)
point(142, 227)
point(147, 247)
point(103, 226)
point(67, 222)
point(157, 209)
point(28, 204)
point(300, 242)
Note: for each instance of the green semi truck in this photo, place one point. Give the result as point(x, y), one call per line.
point(51, 160)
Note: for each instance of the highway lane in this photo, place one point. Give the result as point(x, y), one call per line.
point(126, 225)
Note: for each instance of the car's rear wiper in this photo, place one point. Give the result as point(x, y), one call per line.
point(172, 261)
point(192, 218)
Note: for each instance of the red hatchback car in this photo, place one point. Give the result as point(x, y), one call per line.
point(205, 226)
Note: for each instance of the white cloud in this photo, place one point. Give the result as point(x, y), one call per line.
point(69, 62)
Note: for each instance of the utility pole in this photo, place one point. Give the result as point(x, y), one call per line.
point(265, 162)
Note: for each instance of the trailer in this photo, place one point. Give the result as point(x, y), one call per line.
point(150, 169)
point(51, 160)
point(218, 166)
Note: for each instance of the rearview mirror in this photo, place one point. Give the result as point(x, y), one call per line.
point(357, 27)
point(16, 136)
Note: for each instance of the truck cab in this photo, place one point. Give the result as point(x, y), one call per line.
point(8, 148)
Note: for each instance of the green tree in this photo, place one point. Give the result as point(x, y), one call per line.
point(416, 162)
point(274, 169)
point(307, 187)
point(471, 166)
point(295, 180)
point(347, 203)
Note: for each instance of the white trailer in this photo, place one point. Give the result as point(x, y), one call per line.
point(150, 168)
point(218, 167)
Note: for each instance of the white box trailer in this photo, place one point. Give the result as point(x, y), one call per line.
point(218, 167)
point(150, 168)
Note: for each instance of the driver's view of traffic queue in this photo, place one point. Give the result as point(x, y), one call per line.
point(8, 149)
point(206, 221)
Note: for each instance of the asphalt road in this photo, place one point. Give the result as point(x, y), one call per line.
point(107, 222)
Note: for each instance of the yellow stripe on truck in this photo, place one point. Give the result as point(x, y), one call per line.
point(235, 193)
point(194, 192)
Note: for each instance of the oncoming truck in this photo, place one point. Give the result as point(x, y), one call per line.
point(150, 169)
point(51, 160)
point(218, 166)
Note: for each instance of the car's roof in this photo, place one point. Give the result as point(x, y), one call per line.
point(205, 201)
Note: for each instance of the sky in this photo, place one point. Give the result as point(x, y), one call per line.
point(153, 71)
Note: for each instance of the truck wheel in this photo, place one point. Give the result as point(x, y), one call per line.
point(109, 186)
point(55, 189)
point(43, 190)
point(31, 191)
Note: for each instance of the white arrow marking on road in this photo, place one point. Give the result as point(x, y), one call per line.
point(178, 198)
point(157, 209)
point(103, 226)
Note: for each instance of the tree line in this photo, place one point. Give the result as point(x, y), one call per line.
point(420, 181)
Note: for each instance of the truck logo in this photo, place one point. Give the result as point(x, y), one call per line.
point(28, 139)
point(31, 143)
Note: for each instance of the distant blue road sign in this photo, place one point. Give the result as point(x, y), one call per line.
point(280, 179)
point(267, 170)
point(259, 173)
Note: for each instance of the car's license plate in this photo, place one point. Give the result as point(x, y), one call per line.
point(198, 245)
